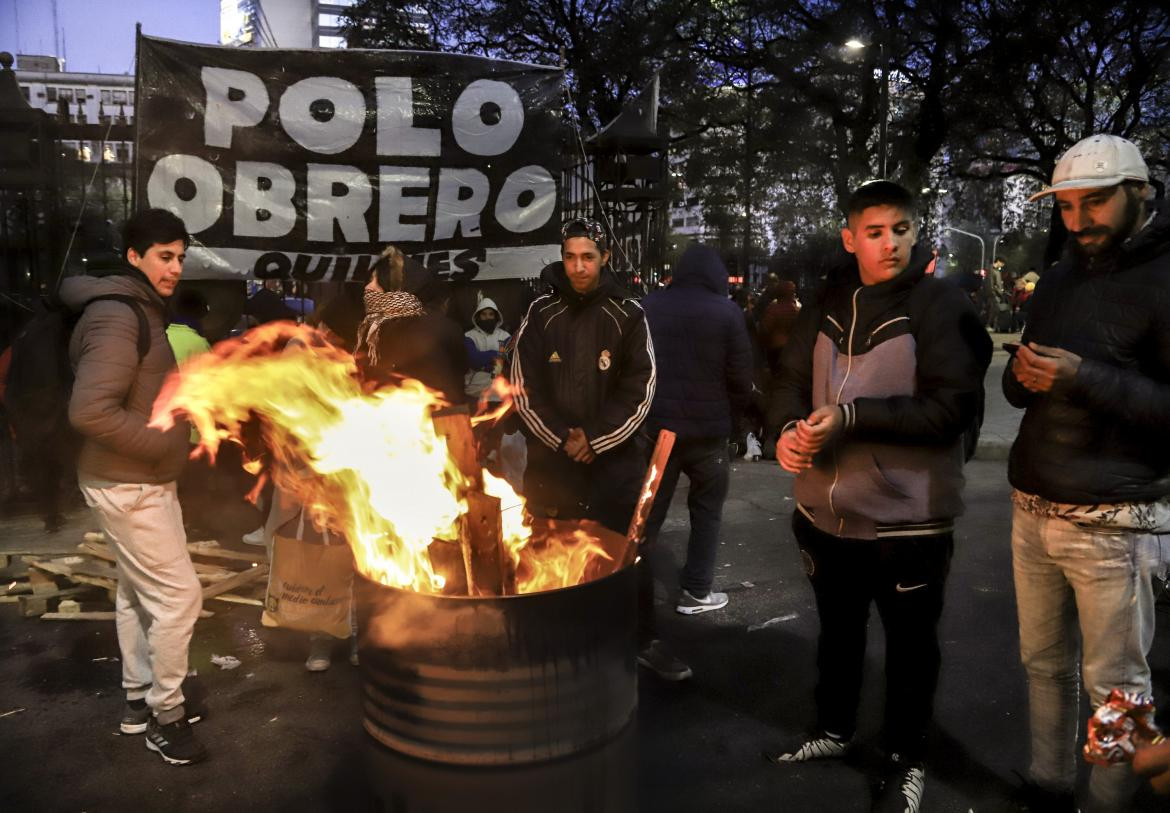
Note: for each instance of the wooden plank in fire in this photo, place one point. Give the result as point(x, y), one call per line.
point(454, 424)
point(650, 484)
point(447, 560)
point(488, 573)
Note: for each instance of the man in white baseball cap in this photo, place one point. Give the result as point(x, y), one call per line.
point(1090, 467)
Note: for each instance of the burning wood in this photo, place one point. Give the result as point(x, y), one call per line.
point(650, 484)
point(389, 469)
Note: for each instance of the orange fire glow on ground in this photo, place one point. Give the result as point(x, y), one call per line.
point(367, 463)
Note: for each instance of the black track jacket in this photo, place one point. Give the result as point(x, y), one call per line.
point(583, 360)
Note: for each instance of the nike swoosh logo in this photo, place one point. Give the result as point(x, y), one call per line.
point(902, 589)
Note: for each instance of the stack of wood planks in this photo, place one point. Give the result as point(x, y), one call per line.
point(83, 586)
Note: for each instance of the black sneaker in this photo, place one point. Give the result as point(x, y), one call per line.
point(174, 742)
point(659, 660)
point(903, 788)
point(135, 717)
point(817, 745)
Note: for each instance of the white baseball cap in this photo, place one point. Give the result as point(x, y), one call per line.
point(1099, 160)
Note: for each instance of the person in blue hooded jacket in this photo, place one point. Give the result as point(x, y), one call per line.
point(704, 360)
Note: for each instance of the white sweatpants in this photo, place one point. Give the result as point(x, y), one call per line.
point(159, 595)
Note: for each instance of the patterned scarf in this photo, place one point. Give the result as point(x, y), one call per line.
point(381, 307)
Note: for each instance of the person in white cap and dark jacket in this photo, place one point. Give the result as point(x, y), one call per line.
point(1090, 467)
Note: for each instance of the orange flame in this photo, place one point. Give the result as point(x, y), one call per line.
point(366, 463)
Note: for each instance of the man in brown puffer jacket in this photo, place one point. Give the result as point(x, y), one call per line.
point(127, 473)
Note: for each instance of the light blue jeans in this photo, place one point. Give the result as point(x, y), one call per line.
point(1097, 581)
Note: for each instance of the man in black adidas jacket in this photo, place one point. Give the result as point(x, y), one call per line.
point(583, 369)
point(880, 379)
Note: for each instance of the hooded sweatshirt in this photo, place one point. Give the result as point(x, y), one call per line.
point(112, 392)
point(905, 360)
point(583, 360)
point(484, 350)
point(702, 350)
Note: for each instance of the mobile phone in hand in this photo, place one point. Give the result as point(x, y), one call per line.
point(1011, 347)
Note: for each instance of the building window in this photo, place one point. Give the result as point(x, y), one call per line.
point(80, 94)
point(330, 42)
point(676, 222)
point(24, 92)
point(119, 97)
point(131, 97)
point(51, 94)
point(106, 97)
point(65, 93)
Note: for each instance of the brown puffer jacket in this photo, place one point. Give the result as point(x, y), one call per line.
point(112, 392)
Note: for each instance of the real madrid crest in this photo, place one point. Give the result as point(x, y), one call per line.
point(603, 360)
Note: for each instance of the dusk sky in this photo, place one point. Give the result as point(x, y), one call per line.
point(99, 34)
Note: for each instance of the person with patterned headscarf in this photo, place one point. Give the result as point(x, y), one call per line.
point(399, 338)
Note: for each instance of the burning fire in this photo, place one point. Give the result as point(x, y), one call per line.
point(367, 463)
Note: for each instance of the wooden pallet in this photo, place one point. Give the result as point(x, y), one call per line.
point(82, 586)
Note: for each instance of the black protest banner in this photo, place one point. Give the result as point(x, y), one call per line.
point(305, 164)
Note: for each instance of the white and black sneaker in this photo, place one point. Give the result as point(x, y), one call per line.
point(135, 717)
point(903, 788)
point(690, 604)
point(174, 742)
point(818, 745)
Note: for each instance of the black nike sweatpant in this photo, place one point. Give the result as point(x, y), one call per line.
point(905, 577)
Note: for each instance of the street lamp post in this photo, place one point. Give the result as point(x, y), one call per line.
point(994, 245)
point(883, 97)
point(982, 245)
point(885, 104)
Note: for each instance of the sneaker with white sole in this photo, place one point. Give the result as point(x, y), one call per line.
point(658, 659)
point(903, 788)
point(320, 653)
point(690, 604)
point(174, 742)
point(136, 716)
point(256, 537)
point(818, 745)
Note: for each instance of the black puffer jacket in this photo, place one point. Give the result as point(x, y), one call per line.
point(702, 348)
point(583, 360)
point(1105, 438)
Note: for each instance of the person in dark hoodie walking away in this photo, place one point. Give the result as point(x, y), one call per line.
point(880, 379)
point(1090, 467)
point(704, 360)
point(583, 376)
point(127, 473)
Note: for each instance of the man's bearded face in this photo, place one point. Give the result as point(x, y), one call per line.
point(1099, 220)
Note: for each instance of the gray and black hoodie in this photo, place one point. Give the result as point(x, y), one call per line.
point(905, 360)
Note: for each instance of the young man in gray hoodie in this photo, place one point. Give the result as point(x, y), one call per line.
point(880, 379)
point(127, 473)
